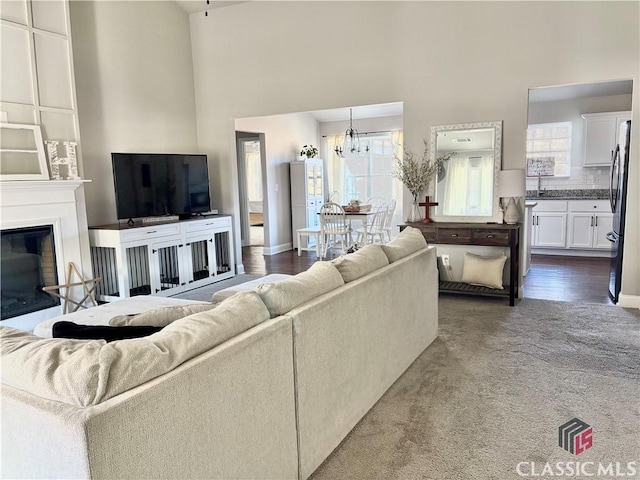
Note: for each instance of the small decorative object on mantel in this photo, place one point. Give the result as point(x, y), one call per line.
point(416, 173)
point(63, 168)
point(309, 151)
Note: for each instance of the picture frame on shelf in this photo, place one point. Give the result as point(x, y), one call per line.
point(22, 154)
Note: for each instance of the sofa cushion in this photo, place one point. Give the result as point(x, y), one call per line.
point(101, 332)
point(408, 241)
point(87, 372)
point(280, 297)
point(361, 262)
point(484, 271)
point(160, 317)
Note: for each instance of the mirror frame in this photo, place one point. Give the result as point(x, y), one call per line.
point(497, 166)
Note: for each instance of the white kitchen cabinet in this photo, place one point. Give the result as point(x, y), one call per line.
point(600, 136)
point(589, 222)
point(161, 259)
point(307, 194)
point(549, 224)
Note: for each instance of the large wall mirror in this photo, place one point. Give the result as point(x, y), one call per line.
point(466, 185)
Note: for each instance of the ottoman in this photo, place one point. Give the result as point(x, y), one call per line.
point(101, 314)
point(247, 286)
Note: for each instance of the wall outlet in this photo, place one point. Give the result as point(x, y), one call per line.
point(445, 261)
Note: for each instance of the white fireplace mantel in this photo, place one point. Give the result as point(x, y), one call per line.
point(60, 203)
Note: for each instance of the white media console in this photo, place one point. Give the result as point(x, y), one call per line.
point(161, 259)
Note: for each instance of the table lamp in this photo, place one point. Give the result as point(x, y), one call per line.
point(511, 186)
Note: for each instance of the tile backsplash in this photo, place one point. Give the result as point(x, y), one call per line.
point(580, 179)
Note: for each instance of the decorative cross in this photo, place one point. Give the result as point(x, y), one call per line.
point(427, 204)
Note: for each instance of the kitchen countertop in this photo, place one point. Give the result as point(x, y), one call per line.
point(581, 194)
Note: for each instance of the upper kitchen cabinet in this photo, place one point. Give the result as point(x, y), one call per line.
point(600, 136)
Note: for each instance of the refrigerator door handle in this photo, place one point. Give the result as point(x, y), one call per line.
point(613, 172)
point(611, 237)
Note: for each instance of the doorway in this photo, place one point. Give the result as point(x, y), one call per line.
point(250, 179)
point(568, 210)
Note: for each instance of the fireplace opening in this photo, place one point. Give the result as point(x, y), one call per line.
point(27, 263)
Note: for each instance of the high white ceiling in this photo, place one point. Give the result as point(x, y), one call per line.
point(194, 6)
point(568, 92)
point(364, 111)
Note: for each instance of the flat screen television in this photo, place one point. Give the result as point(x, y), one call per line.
point(158, 184)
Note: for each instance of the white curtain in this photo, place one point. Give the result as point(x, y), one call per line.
point(335, 170)
point(468, 188)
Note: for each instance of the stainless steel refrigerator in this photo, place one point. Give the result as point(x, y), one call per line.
point(618, 199)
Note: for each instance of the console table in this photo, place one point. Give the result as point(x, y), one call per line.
point(494, 235)
point(161, 258)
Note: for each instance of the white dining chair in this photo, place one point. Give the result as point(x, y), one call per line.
point(375, 229)
point(333, 228)
point(388, 224)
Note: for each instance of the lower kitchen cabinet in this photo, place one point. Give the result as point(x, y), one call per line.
point(563, 226)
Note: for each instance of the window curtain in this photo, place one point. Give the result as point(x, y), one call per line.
point(468, 185)
point(335, 170)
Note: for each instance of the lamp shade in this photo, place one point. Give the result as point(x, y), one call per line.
point(511, 183)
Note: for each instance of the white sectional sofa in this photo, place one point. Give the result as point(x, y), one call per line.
point(264, 385)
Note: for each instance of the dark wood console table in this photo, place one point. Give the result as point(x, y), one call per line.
point(494, 235)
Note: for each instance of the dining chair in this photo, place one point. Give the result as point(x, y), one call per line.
point(388, 224)
point(375, 228)
point(334, 227)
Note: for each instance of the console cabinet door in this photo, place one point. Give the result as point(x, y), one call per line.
point(166, 267)
point(550, 229)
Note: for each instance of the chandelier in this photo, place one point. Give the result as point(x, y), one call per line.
point(351, 144)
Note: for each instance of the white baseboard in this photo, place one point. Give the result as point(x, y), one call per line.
point(284, 247)
point(628, 301)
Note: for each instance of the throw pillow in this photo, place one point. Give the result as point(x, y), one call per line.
point(361, 262)
point(281, 297)
point(408, 241)
point(483, 271)
point(100, 332)
point(160, 317)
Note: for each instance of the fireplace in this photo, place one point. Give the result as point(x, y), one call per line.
point(44, 228)
point(27, 263)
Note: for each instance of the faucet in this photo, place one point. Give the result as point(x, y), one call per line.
point(538, 193)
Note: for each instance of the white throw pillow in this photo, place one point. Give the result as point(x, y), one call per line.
point(361, 262)
point(408, 241)
point(281, 297)
point(88, 372)
point(160, 317)
point(483, 271)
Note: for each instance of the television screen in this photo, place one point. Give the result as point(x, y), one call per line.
point(156, 184)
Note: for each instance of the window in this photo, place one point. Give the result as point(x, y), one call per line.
point(369, 175)
point(550, 143)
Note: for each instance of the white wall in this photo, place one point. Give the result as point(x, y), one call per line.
point(135, 89)
point(284, 137)
point(571, 111)
point(449, 62)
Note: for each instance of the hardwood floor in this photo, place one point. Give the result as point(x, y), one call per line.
point(571, 279)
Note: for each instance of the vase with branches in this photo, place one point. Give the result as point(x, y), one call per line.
point(416, 172)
